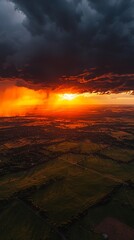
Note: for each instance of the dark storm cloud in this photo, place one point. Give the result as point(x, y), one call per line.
point(57, 38)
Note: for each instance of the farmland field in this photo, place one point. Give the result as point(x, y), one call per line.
point(62, 176)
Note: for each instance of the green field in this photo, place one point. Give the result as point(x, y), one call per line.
point(59, 182)
point(79, 189)
point(21, 222)
point(119, 154)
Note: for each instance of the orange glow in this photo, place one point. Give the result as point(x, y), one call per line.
point(68, 96)
point(22, 101)
point(68, 100)
point(19, 101)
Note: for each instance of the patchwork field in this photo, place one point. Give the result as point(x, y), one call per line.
point(62, 178)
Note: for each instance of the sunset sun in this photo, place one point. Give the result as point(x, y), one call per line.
point(69, 96)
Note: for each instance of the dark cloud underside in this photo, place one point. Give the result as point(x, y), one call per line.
point(53, 42)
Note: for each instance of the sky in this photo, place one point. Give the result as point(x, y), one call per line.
point(80, 45)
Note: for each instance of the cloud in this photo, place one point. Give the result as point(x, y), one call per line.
point(43, 41)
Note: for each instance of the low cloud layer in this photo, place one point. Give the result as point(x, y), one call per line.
point(85, 44)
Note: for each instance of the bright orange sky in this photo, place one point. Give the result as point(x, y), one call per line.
point(20, 100)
